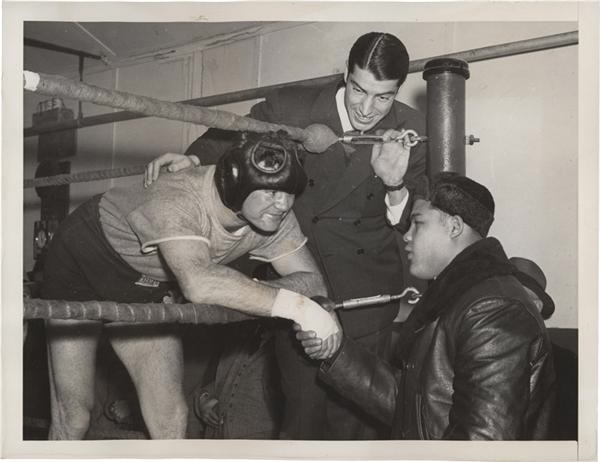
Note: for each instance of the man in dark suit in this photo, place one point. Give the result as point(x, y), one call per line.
point(354, 200)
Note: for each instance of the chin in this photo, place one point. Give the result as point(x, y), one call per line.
point(361, 126)
point(420, 273)
point(266, 228)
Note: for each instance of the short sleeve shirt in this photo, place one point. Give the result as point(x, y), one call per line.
point(183, 206)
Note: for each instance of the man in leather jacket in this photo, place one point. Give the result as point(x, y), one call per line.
point(474, 359)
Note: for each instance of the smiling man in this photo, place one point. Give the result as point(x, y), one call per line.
point(133, 244)
point(474, 360)
point(354, 200)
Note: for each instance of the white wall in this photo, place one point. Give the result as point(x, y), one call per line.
point(524, 109)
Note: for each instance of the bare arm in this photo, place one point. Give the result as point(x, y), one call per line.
point(202, 281)
point(300, 273)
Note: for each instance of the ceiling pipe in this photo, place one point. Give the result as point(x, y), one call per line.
point(60, 49)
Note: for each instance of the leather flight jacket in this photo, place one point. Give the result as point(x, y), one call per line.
point(482, 370)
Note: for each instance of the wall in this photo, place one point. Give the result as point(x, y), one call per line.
point(523, 108)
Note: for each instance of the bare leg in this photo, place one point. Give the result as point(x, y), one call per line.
point(153, 356)
point(72, 349)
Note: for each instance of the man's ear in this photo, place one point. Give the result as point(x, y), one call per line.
point(456, 225)
point(346, 73)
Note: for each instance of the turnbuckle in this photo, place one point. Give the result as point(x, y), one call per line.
point(413, 294)
point(412, 138)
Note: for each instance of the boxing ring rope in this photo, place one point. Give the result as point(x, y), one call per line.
point(315, 138)
point(187, 313)
point(474, 55)
point(80, 177)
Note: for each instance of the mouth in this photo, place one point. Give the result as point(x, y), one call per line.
point(275, 216)
point(362, 119)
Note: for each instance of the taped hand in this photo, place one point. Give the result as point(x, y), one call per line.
point(315, 347)
point(305, 312)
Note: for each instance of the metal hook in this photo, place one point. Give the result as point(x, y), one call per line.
point(414, 297)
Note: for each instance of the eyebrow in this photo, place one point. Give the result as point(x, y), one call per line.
point(415, 214)
point(353, 82)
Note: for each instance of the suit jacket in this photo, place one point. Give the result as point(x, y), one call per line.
point(342, 210)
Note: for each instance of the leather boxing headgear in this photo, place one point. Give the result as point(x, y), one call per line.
point(259, 161)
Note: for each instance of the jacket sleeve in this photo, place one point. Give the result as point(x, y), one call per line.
point(362, 377)
point(494, 343)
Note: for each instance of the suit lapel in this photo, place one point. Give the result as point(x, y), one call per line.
point(348, 177)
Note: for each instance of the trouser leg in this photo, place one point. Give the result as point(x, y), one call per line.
point(304, 398)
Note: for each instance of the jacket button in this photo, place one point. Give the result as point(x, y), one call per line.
point(369, 196)
point(360, 251)
point(311, 182)
point(315, 219)
point(357, 222)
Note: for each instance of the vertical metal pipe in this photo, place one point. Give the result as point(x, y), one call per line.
point(446, 114)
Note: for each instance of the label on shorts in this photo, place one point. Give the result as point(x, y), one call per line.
point(146, 281)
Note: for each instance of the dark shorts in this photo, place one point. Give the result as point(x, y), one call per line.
point(81, 265)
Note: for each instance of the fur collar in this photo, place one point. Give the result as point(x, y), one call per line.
point(480, 261)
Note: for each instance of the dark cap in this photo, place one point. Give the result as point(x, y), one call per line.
point(456, 194)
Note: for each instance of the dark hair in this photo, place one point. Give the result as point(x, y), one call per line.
point(456, 194)
point(382, 54)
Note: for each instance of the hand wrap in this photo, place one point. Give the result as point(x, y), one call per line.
point(309, 314)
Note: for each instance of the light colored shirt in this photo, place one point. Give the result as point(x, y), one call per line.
point(182, 206)
point(393, 212)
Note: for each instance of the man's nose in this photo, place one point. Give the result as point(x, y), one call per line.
point(366, 105)
point(283, 200)
point(407, 235)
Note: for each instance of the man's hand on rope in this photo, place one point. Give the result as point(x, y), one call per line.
point(174, 163)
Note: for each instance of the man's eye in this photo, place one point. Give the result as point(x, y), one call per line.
point(384, 99)
point(357, 90)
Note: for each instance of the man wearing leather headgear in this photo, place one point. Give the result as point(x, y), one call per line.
point(259, 162)
point(474, 359)
point(136, 244)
